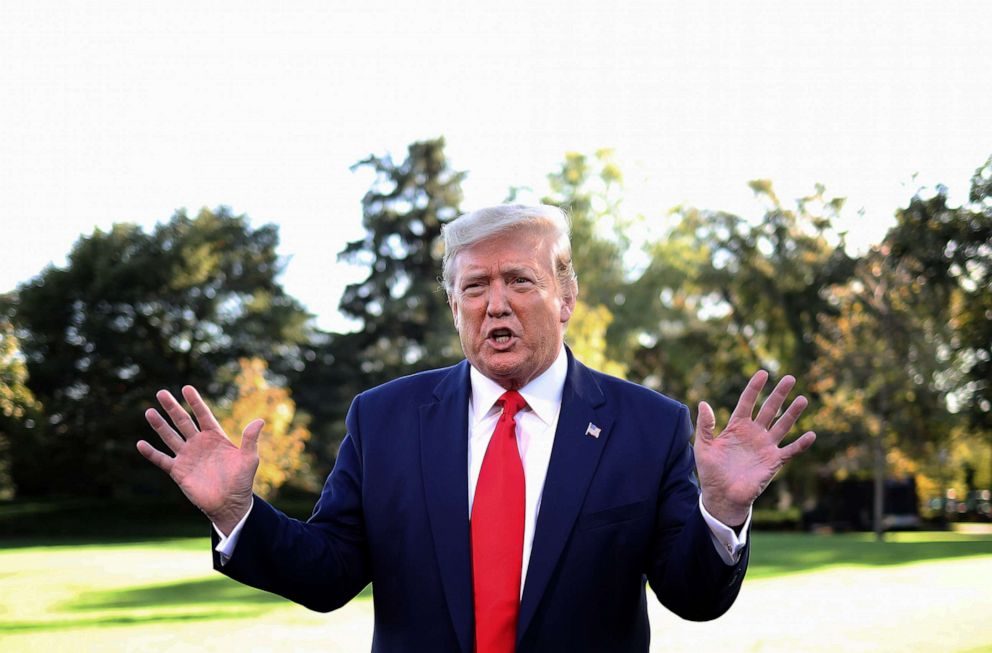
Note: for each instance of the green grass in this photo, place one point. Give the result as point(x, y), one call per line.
point(120, 584)
point(90, 596)
point(776, 554)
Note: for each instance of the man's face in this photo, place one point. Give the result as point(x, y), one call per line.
point(508, 307)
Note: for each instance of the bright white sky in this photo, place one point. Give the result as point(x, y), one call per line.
point(125, 111)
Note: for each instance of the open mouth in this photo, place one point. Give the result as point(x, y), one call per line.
point(500, 336)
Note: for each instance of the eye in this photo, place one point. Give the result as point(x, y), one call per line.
point(472, 288)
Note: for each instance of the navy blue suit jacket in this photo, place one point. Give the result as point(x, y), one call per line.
point(616, 511)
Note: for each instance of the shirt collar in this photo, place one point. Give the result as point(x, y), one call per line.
point(542, 394)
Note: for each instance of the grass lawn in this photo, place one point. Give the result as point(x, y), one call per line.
point(917, 591)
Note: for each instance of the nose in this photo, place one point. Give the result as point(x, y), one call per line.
point(499, 301)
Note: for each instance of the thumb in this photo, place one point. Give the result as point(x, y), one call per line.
point(249, 437)
point(705, 421)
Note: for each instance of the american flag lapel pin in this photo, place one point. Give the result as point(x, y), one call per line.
point(592, 430)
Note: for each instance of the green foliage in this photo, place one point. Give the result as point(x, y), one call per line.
point(946, 253)
point(894, 347)
point(880, 370)
point(968, 250)
point(587, 338)
point(405, 318)
point(406, 322)
point(910, 338)
point(134, 312)
point(590, 189)
point(937, 264)
point(740, 294)
point(770, 276)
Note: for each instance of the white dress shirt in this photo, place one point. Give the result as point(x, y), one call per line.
point(536, 426)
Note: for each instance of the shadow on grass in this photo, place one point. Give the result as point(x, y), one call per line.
point(775, 554)
point(206, 591)
point(54, 543)
point(123, 620)
point(207, 600)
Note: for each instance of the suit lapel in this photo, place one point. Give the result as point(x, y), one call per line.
point(444, 456)
point(574, 457)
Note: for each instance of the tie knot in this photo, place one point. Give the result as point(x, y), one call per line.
point(511, 402)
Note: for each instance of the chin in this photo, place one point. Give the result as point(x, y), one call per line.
point(505, 375)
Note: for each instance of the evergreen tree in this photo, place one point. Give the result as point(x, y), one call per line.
point(406, 324)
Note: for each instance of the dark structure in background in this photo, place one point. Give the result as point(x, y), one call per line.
point(847, 505)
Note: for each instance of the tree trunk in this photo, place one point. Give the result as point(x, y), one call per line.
point(879, 494)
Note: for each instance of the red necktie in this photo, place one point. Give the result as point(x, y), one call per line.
point(498, 535)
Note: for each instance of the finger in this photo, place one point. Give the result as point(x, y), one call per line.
point(775, 400)
point(705, 421)
point(168, 435)
point(249, 437)
point(788, 418)
point(177, 414)
point(204, 417)
point(745, 405)
point(798, 446)
point(157, 458)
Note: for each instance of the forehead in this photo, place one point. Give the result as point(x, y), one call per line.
point(509, 250)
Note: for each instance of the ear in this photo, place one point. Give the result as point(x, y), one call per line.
point(568, 303)
point(453, 305)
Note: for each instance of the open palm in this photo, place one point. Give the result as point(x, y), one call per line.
point(213, 473)
point(736, 466)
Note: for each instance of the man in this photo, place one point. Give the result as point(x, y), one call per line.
point(515, 501)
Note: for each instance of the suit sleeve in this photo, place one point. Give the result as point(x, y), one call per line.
point(685, 571)
point(322, 563)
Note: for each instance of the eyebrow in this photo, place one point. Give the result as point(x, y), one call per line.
point(483, 273)
point(472, 276)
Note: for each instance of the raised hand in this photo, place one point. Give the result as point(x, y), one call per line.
point(213, 473)
point(736, 466)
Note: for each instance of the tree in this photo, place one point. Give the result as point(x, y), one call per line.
point(586, 336)
point(18, 407)
point(405, 320)
point(589, 189)
point(912, 337)
point(737, 294)
point(878, 374)
point(947, 251)
point(281, 447)
point(769, 276)
point(742, 293)
point(133, 312)
point(972, 254)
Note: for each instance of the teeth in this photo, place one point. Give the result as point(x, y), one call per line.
point(502, 338)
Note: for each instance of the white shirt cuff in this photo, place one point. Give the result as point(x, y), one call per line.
point(227, 542)
point(728, 544)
